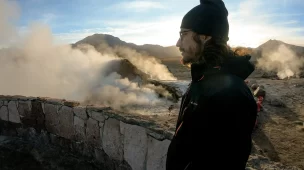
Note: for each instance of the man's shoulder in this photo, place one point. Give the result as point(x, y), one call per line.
point(221, 82)
point(223, 85)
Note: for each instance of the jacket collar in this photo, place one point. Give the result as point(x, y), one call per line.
point(239, 66)
point(200, 70)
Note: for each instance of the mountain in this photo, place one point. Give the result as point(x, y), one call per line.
point(153, 50)
point(272, 46)
point(172, 51)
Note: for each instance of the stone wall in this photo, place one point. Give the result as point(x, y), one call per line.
point(129, 141)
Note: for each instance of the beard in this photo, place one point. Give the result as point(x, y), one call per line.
point(191, 55)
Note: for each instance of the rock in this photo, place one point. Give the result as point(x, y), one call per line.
point(100, 155)
point(88, 150)
point(4, 113)
point(78, 121)
point(66, 119)
point(1, 103)
point(51, 118)
point(98, 116)
point(53, 101)
point(109, 163)
point(156, 135)
point(269, 74)
point(249, 168)
point(135, 146)
point(254, 87)
point(42, 106)
point(99, 108)
point(260, 162)
point(24, 109)
point(300, 123)
point(122, 127)
point(38, 113)
point(157, 154)
point(4, 138)
point(277, 103)
point(259, 92)
point(299, 85)
point(101, 124)
point(81, 112)
point(71, 103)
point(80, 133)
point(170, 108)
point(93, 132)
point(112, 139)
point(101, 133)
point(53, 138)
point(13, 115)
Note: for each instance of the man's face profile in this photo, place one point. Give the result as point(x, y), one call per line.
point(190, 49)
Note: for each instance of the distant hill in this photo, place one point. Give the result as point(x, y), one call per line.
point(153, 50)
point(172, 51)
point(272, 45)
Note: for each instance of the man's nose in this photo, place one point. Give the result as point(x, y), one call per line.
point(178, 44)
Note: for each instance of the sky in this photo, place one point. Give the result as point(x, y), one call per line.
point(252, 22)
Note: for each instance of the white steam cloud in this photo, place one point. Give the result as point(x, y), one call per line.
point(283, 61)
point(9, 12)
point(148, 65)
point(35, 66)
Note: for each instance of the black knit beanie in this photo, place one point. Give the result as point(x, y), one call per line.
point(208, 18)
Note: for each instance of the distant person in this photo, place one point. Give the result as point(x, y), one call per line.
point(218, 111)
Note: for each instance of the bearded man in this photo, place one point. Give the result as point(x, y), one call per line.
point(218, 111)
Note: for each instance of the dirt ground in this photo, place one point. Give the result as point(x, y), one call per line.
point(280, 130)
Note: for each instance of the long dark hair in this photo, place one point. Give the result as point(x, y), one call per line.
point(214, 52)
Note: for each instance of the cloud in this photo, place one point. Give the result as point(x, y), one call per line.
point(252, 23)
point(48, 17)
point(137, 6)
point(138, 32)
point(75, 35)
point(250, 27)
point(163, 30)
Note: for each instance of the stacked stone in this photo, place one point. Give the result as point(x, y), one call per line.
point(102, 132)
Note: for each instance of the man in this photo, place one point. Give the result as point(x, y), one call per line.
point(218, 111)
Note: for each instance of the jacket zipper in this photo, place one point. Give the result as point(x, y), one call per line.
point(186, 95)
point(182, 114)
point(187, 165)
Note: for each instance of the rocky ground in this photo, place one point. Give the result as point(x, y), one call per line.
point(280, 131)
point(20, 154)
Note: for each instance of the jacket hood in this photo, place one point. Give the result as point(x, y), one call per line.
point(237, 65)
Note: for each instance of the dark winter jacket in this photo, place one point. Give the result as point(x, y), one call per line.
point(216, 119)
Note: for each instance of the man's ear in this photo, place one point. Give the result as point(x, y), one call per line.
point(208, 38)
point(205, 38)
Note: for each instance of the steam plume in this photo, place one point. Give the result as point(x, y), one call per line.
point(283, 61)
point(9, 13)
point(148, 65)
point(35, 66)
